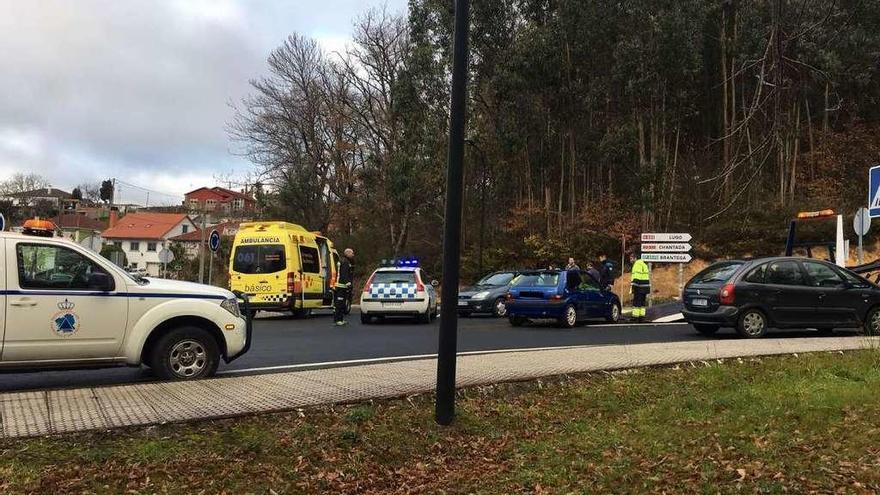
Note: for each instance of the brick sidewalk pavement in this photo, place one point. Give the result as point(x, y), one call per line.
point(60, 411)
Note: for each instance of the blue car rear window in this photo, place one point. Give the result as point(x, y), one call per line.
point(543, 279)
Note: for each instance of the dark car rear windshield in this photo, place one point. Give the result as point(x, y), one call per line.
point(394, 277)
point(496, 279)
point(542, 279)
point(263, 258)
point(717, 273)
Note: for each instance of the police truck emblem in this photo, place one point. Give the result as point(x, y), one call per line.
point(65, 322)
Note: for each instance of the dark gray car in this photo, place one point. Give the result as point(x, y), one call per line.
point(487, 295)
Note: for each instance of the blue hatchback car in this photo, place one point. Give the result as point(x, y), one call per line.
point(569, 297)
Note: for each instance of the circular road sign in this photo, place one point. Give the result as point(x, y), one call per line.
point(862, 221)
point(214, 241)
point(2, 222)
point(166, 256)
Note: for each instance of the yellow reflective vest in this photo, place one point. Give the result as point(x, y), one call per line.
point(641, 275)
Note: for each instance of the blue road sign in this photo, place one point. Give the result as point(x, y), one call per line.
point(214, 241)
point(2, 223)
point(874, 191)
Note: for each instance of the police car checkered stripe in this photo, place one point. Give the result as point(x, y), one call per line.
point(398, 290)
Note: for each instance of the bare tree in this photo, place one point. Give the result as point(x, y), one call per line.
point(22, 182)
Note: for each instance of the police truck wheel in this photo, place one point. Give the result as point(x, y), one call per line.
point(569, 317)
point(185, 353)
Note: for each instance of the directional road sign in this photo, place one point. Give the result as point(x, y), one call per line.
point(665, 237)
point(214, 241)
point(874, 191)
point(666, 257)
point(665, 247)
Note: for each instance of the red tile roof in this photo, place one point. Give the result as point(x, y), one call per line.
point(227, 229)
point(146, 225)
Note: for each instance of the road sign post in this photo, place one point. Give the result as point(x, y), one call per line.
point(165, 256)
point(861, 225)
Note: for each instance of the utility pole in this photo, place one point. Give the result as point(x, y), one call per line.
point(447, 346)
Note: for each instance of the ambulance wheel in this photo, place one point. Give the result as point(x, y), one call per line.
point(185, 353)
point(302, 313)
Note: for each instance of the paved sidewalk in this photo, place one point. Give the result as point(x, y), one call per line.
point(60, 411)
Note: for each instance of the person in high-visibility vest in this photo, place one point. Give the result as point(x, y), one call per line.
point(344, 280)
point(640, 286)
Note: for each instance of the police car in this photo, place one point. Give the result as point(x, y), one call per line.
point(65, 306)
point(398, 288)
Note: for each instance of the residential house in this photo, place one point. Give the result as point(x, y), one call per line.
point(190, 241)
point(62, 200)
point(142, 236)
point(219, 200)
point(77, 226)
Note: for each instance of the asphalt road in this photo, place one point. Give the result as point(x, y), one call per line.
point(282, 343)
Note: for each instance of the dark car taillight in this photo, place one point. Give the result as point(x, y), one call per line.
point(726, 294)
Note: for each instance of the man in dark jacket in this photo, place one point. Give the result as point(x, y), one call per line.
point(344, 279)
point(607, 270)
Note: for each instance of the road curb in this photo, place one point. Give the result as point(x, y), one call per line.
point(36, 413)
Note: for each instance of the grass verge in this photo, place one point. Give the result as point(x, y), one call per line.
point(774, 425)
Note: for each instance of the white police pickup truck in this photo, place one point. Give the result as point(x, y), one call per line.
point(67, 307)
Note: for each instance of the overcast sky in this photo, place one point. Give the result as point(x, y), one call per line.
point(140, 89)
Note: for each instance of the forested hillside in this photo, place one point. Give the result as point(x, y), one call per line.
point(589, 121)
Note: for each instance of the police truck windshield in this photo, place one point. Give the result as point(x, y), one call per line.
point(259, 258)
point(542, 279)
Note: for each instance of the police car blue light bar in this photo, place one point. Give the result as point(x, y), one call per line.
point(406, 262)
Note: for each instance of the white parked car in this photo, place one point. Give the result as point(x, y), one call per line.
point(67, 307)
point(399, 291)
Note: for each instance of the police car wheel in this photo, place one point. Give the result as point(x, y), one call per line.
point(348, 307)
point(366, 319)
point(425, 317)
point(185, 353)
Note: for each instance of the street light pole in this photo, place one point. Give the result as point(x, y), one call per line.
point(447, 346)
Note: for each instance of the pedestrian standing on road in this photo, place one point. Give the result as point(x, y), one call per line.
point(594, 274)
point(572, 265)
point(606, 269)
point(342, 294)
point(640, 286)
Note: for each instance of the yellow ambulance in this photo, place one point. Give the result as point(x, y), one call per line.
point(282, 266)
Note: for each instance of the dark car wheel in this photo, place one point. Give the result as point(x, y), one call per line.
point(500, 308)
point(872, 322)
point(516, 321)
point(569, 317)
point(185, 353)
point(464, 314)
point(425, 317)
point(752, 324)
point(366, 319)
point(706, 329)
point(614, 315)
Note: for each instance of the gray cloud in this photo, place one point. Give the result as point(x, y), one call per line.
point(138, 88)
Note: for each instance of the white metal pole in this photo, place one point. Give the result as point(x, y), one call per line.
point(841, 255)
